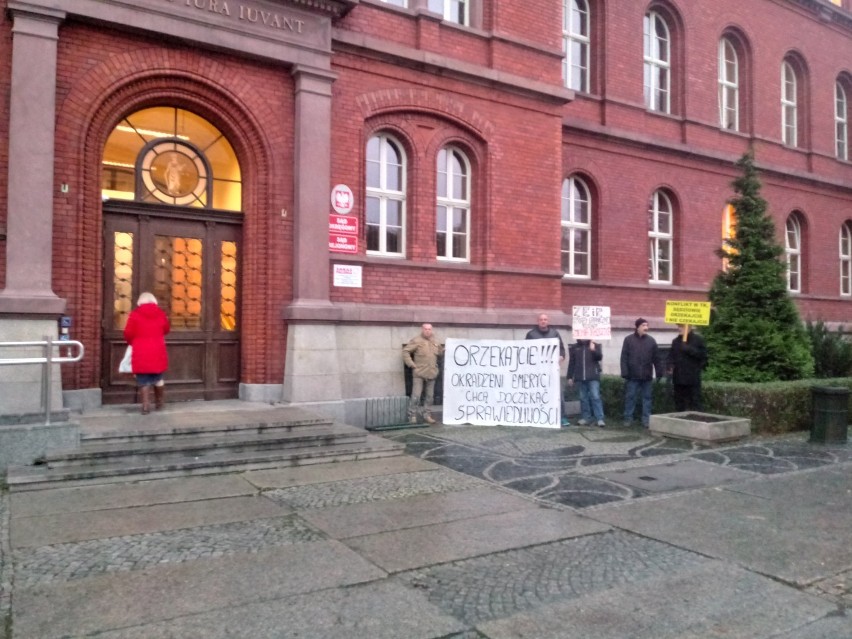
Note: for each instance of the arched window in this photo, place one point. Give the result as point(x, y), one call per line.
point(658, 63)
point(660, 238)
point(729, 231)
point(841, 122)
point(452, 225)
point(166, 155)
point(846, 259)
point(386, 188)
point(729, 86)
point(576, 228)
point(789, 104)
point(575, 44)
point(793, 250)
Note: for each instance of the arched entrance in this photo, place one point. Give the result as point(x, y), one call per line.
point(171, 189)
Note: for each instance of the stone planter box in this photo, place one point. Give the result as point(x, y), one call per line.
point(700, 427)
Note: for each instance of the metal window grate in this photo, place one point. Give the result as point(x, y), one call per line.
point(387, 413)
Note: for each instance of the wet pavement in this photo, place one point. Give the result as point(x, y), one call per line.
point(476, 533)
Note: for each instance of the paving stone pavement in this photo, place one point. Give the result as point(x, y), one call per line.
point(622, 536)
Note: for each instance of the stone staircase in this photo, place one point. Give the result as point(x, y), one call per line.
point(121, 444)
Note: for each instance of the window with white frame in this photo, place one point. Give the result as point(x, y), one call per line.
point(457, 11)
point(398, 3)
point(789, 104)
point(452, 224)
point(575, 44)
point(841, 122)
point(576, 228)
point(793, 250)
point(729, 86)
point(846, 259)
point(661, 238)
point(385, 205)
point(657, 44)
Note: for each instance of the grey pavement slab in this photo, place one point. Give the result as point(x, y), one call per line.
point(141, 493)
point(837, 626)
point(302, 475)
point(115, 601)
point(30, 532)
point(709, 600)
point(783, 532)
point(375, 517)
point(829, 486)
point(427, 545)
point(679, 475)
point(379, 610)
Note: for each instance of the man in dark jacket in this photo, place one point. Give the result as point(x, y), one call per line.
point(584, 359)
point(640, 360)
point(545, 331)
point(686, 360)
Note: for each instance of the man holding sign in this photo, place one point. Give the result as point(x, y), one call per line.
point(686, 360)
point(688, 356)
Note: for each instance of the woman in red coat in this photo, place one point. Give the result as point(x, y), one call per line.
point(146, 332)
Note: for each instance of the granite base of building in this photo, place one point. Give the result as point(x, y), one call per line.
point(23, 443)
point(700, 427)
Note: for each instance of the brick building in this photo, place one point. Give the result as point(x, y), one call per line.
point(505, 157)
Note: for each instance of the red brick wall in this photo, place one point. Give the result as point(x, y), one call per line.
point(521, 144)
point(104, 75)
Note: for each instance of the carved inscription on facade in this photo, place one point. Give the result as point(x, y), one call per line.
point(236, 10)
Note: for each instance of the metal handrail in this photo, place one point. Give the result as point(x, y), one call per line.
point(47, 360)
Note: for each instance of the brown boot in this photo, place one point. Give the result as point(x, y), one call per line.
point(145, 392)
point(159, 397)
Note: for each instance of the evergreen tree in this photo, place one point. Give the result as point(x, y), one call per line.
point(755, 333)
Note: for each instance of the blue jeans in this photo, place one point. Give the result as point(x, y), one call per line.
point(632, 388)
point(590, 400)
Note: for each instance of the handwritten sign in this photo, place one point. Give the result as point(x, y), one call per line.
point(692, 313)
point(591, 322)
point(502, 382)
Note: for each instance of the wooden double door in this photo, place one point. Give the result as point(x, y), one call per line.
point(191, 264)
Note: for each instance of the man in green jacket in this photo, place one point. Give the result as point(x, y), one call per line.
point(421, 354)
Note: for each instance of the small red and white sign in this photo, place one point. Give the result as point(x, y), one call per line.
point(342, 199)
point(342, 243)
point(343, 224)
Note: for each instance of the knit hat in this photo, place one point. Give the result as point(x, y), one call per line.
point(641, 321)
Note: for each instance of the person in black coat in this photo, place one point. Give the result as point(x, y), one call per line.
point(584, 368)
point(686, 361)
point(640, 362)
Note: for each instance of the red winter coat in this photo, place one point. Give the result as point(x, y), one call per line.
point(146, 332)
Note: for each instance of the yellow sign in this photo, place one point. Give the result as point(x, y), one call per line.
point(692, 313)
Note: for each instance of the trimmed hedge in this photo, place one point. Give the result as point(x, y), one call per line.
point(772, 407)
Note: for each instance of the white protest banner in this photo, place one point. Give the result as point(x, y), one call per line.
point(502, 382)
point(591, 322)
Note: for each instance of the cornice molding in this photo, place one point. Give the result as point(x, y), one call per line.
point(334, 8)
point(825, 11)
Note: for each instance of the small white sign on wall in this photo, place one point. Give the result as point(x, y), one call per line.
point(348, 276)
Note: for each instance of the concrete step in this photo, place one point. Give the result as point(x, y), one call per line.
point(91, 452)
point(24, 478)
point(172, 424)
point(119, 443)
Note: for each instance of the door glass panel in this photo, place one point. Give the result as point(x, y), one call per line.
point(178, 279)
point(228, 291)
point(122, 278)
